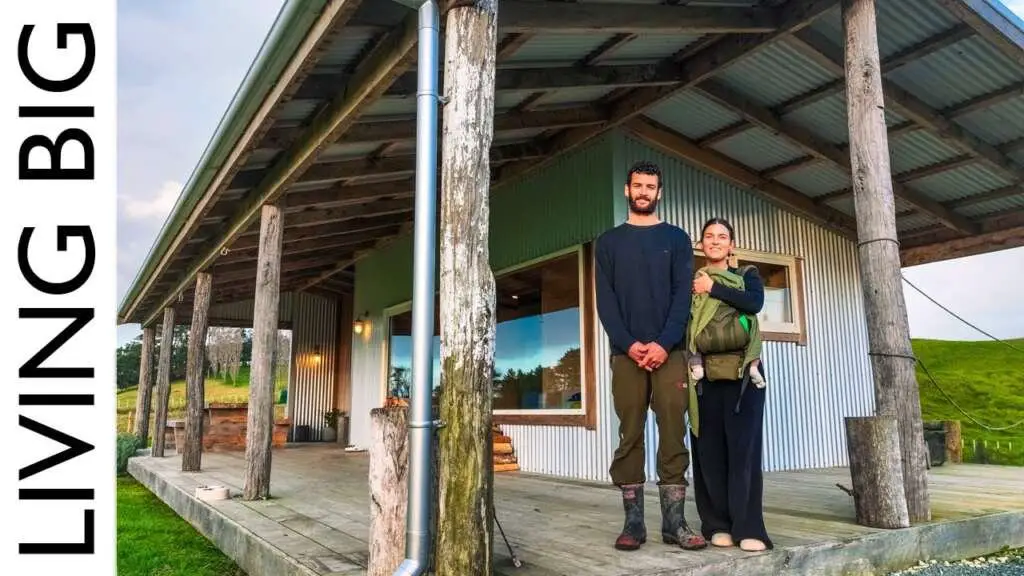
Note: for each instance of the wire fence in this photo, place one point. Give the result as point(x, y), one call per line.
point(1003, 451)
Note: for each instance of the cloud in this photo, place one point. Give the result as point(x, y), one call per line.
point(157, 206)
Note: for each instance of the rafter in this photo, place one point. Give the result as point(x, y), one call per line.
point(678, 145)
point(372, 78)
point(814, 146)
point(589, 17)
point(792, 16)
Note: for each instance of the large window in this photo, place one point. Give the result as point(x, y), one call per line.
point(782, 317)
point(542, 371)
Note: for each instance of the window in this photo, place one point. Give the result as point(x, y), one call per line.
point(543, 337)
point(782, 317)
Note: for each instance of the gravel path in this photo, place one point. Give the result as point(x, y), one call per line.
point(1010, 563)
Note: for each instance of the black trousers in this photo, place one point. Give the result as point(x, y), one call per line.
point(728, 483)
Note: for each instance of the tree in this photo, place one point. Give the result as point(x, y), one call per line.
point(465, 539)
point(129, 355)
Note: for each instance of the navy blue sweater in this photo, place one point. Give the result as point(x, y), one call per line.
point(644, 284)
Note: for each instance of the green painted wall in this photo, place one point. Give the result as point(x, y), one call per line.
point(567, 203)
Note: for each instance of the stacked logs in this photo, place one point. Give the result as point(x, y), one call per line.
point(504, 455)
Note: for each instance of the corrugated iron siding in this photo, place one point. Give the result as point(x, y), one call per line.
point(241, 311)
point(311, 390)
point(811, 388)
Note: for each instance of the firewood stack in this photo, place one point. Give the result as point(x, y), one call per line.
point(504, 454)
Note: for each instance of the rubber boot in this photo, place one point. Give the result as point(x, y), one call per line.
point(674, 529)
point(634, 532)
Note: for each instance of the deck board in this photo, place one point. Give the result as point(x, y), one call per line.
point(319, 513)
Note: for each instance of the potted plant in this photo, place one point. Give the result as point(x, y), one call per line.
point(331, 418)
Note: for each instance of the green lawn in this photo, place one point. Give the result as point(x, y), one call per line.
point(985, 379)
point(154, 541)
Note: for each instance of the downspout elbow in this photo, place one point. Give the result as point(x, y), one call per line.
point(409, 567)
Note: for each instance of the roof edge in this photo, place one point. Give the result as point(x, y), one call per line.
point(292, 24)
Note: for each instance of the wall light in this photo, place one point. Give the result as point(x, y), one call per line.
point(316, 355)
point(362, 323)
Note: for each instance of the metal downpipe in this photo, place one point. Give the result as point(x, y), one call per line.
point(421, 425)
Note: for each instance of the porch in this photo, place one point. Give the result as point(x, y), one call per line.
point(317, 521)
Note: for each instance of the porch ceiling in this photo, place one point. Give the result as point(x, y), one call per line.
point(752, 91)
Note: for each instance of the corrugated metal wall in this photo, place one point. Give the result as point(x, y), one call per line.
point(811, 388)
point(311, 389)
point(242, 310)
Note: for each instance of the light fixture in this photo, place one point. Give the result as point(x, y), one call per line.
point(361, 323)
point(316, 354)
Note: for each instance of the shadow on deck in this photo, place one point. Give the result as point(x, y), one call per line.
point(317, 521)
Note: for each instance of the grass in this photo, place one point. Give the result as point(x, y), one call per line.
point(154, 541)
point(984, 378)
point(216, 389)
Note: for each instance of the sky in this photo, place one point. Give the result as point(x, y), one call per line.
point(180, 62)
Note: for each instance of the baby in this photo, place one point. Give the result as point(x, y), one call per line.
point(697, 370)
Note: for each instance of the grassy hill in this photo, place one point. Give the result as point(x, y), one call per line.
point(986, 380)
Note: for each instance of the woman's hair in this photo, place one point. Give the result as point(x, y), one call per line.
point(723, 222)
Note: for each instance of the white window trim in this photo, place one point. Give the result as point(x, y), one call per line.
point(581, 283)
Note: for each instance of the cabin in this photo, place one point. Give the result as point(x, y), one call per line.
point(742, 104)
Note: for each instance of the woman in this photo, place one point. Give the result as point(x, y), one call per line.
point(726, 435)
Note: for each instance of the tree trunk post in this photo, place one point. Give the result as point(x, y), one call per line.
point(260, 417)
point(876, 473)
point(464, 534)
point(892, 358)
point(144, 398)
point(163, 381)
point(954, 442)
point(389, 480)
point(195, 376)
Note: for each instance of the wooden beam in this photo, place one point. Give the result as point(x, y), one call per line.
point(811, 144)
point(984, 101)
point(144, 396)
point(902, 58)
point(293, 248)
point(325, 231)
point(999, 232)
point(997, 194)
point(590, 18)
point(792, 16)
point(787, 167)
point(909, 106)
point(511, 43)
point(910, 175)
point(678, 145)
point(260, 416)
point(334, 171)
point(342, 265)
point(373, 76)
point(195, 376)
point(606, 48)
point(163, 381)
point(334, 16)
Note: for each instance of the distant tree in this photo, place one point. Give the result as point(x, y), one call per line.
point(129, 356)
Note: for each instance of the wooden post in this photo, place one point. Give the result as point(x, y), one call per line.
point(954, 444)
point(389, 478)
point(892, 358)
point(465, 537)
point(260, 419)
point(144, 397)
point(195, 376)
point(163, 381)
point(876, 473)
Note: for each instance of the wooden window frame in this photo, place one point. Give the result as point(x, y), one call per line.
point(586, 415)
point(795, 331)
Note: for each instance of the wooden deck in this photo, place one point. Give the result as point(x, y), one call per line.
point(317, 520)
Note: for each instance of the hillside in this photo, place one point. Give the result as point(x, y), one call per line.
point(986, 380)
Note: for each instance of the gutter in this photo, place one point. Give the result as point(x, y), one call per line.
point(291, 26)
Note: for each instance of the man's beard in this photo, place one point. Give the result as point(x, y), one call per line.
point(652, 205)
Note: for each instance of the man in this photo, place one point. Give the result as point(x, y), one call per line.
point(644, 282)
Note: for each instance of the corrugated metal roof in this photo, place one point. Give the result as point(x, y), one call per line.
point(297, 110)
point(913, 222)
point(916, 150)
point(511, 98)
point(993, 206)
point(775, 74)
point(392, 106)
point(692, 115)
point(958, 73)
point(574, 95)
point(825, 118)
point(901, 24)
point(965, 181)
point(564, 49)
point(816, 179)
point(343, 51)
point(651, 47)
point(997, 124)
point(758, 149)
point(348, 150)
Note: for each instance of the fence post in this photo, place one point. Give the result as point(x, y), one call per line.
point(954, 441)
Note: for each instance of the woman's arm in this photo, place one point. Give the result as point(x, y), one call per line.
point(748, 301)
